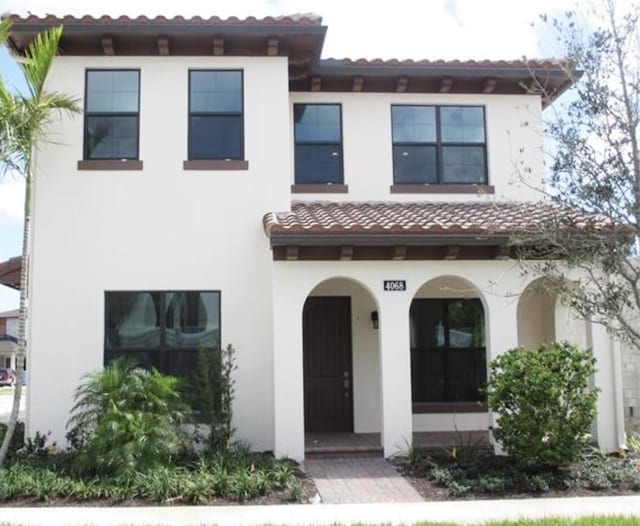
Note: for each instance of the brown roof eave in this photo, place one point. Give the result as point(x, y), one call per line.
point(377, 240)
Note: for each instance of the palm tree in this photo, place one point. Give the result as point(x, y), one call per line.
point(24, 121)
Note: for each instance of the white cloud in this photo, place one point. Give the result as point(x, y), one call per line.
point(11, 200)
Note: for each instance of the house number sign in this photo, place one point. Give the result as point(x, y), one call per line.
point(395, 284)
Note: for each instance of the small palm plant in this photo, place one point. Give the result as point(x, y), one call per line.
point(24, 125)
point(126, 419)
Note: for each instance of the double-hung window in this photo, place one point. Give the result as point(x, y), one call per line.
point(164, 330)
point(318, 143)
point(112, 114)
point(215, 115)
point(439, 145)
point(448, 355)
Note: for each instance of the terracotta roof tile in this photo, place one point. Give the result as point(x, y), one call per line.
point(294, 20)
point(394, 62)
point(462, 218)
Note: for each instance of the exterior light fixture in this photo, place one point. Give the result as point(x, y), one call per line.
point(374, 319)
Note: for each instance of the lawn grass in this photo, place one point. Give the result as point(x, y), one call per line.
point(585, 521)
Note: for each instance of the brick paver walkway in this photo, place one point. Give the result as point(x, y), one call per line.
point(354, 480)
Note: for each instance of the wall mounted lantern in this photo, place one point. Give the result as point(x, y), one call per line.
point(374, 319)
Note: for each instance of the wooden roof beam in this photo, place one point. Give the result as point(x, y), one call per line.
point(445, 85)
point(402, 84)
point(489, 86)
point(292, 253)
point(107, 45)
point(451, 252)
point(503, 252)
point(273, 45)
point(399, 253)
point(358, 83)
point(316, 83)
point(218, 46)
point(163, 46)
point(346, 253)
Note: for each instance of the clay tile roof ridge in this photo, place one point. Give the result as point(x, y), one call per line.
point(514, 63)
point(292, 19)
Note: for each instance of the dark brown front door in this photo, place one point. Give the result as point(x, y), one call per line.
point(326, 328)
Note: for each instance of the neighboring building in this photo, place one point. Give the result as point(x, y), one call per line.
point(8, 338)
point(345, 224)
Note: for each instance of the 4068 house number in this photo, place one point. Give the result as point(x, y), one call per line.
point(395, 284)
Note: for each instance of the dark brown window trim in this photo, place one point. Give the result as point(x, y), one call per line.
point(215, 164)
point(319, 188)
point(449, 407)
point(442, 189)
point(110, 164)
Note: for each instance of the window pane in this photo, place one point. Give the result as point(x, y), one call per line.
point(466, 374)
point(192, 319)
point(428, 380)
point(112, 91)
point(466, 323)
point(215, 137)
point(462, 124)
point(112, 137)
point(216, 91)
point(318, 163)
point(317, 123)
point(132, 320)
point(414, 164)
point(427, 324)
point(413, 123)
point(463, 164)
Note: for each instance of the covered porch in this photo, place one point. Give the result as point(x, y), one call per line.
point(379, 347)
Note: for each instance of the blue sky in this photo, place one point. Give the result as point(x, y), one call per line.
point(432, 29)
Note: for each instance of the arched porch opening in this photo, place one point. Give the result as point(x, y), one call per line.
point(341, 367)
point(448, 326)
point(537, 314)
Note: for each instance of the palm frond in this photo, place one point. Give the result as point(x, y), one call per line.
point(38, 58)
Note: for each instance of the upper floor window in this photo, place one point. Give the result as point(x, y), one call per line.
point(215, 114)
point(439, 145)
point(112, 114)
point(318, 143)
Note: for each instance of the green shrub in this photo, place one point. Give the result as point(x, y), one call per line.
point(544, 404)
point(210, 393)
point(17, 440)
point(126, 419)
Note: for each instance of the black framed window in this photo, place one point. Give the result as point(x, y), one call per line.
point(448, 354)
point(439, 145)
point(112, 114)
point(161, 329)
point(318, 143)
point(216, 114)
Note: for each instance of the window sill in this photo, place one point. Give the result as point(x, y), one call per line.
point(215, 164)
point(442, 189)
point(329, 188)
point(449, 407)
point(110, 164)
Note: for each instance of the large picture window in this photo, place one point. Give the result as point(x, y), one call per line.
point(318, 143)
point(438, 145)
point(448, 355)
point(215, 115)
point(161, 329)
point(111, 123)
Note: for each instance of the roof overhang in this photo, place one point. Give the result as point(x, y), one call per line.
point(10, 272)
point(299, 38)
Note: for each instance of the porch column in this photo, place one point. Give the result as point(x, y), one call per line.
point(395, 371)
point(609, 418)
point(501, 314)
point(288, 377)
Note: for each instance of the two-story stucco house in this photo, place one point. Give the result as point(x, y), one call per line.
point(345, 224)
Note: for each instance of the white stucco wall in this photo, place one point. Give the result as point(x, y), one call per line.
point(161, 228)
point(513, 131)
